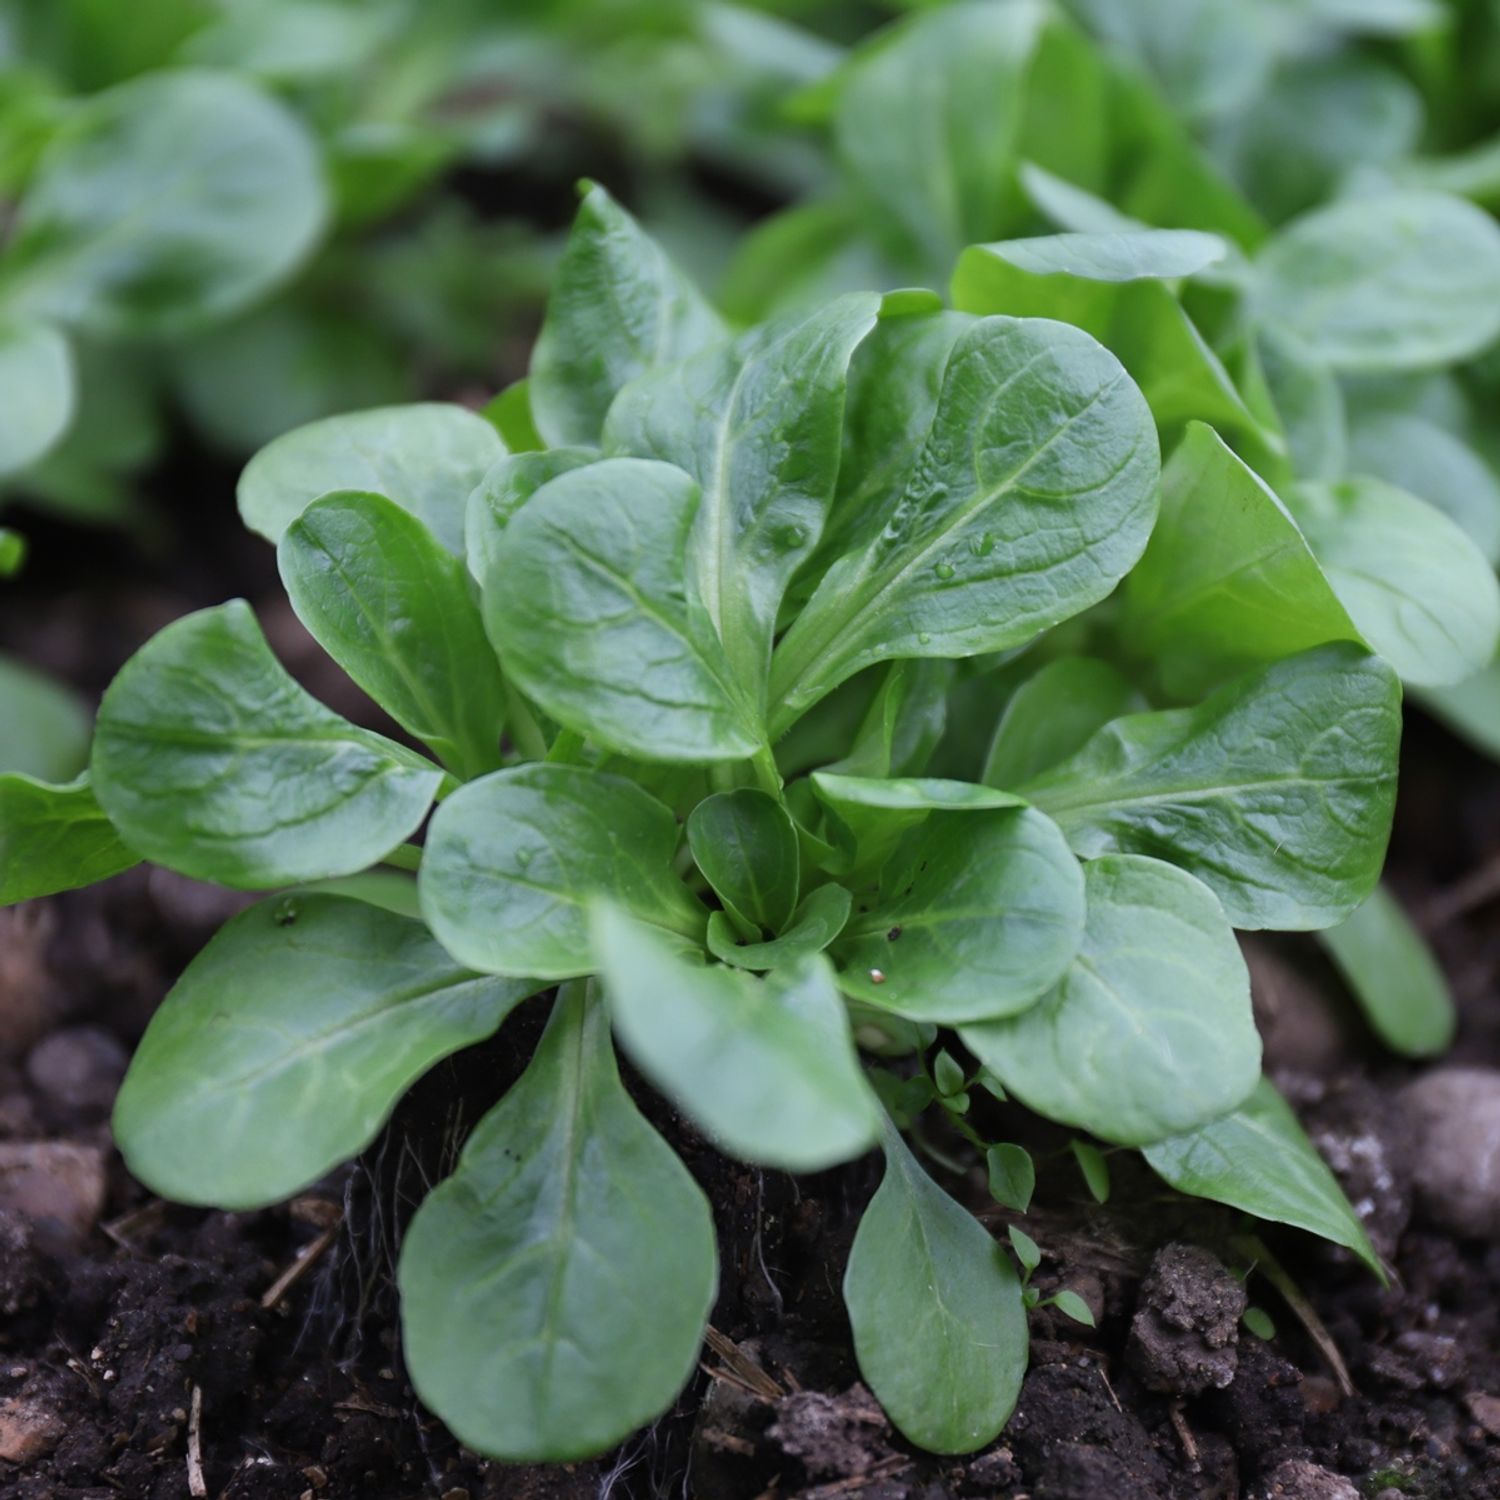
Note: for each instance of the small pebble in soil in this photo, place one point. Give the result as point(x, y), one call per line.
point(59, 1186)
point(1455, 1121)
point(77, 1073)
point(1184, 1337)
point(1296, 1479)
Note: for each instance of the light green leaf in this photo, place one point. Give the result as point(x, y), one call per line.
point(36, 392)
point(507, 485)
point(513, 860)
point(592, 605)
point(1413, 453)
point(426, 457)
point(211, 761)
point(1052, 714)
point(165, 202)
point(286, 1043)
point(869, 815)
point(1394, 976)
point(745, 843)
point(1470, 708)
point(1033, 494)
point(1073, 1306)
point(554, 1290)
point(813, 926)
point(978, 915)
point(1395, 281)
point(928, 123)
point(44, 727)
point(903, 724)
point(1093, 1165)
point(54, 838)
point(1307, 399)
point(511, 416)
point(1276, 791)
point(947, 1368)
point(1419, 590)
point(1150, 1031)
point(397, 612)
point(758, 423)
point(1260, 1160)
point(766, 1067)
point(1116, 287)
point(618, 307)
point(1228, 582)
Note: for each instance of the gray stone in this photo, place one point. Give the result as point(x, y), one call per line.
point(1454, 1115)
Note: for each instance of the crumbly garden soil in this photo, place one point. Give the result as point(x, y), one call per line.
point(138, 1339)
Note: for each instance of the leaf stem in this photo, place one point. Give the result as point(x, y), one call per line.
point(404, 857)
point(525, 733)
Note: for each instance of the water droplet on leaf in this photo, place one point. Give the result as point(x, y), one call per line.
point(944, 570)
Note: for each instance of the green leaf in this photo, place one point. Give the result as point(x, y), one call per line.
point(54, 838)
point(397, 612)
point(170, 200)
point(555, 1289)
point(937, 165)
point(286, 1043)
point(426, 457)
point(1394, 976)
point(813, 926)
point(44, 727)
point(1276, 791)
point(948, 1074)
point(1150, 1031)
point(618, 307)
point(766, 1067)
point(870, 815)
point(745, 843)
point(1413, 453)
point(1228, 582)
point(1073, 1306)
point(1012, 1176)
point(758, 423)
point(1420, 591)
point(1260, 1160)
point(1258, 1321)
point(903, 724)
point(1094, 1166)
point(1308, 400)
point(507, 485)
point(1470, 708)
point(589, 581)
point(513, 860)
point(1035, 422)
point(12, 552)
point(1118, 288)
point(211, 761)
point(1052, 714)
point(948, 1368)
point(511, 416)
point(1028, 1252)
point(1395, 281)
point(36, 392)
point(978, 915)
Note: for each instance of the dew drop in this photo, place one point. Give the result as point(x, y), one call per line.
point(523, 857)
point(789, 538)
point(877, 976)
point(944, 570)
point(923, 639)
point(286, 912)
point(982, 546)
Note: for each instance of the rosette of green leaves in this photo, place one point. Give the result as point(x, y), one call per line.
point(678, 683)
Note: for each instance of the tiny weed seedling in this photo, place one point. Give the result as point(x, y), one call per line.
point(686, 650)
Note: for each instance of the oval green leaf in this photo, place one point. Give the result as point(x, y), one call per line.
point(745, 844)
point(36, 392)
point(54, 838)
point(813, 926)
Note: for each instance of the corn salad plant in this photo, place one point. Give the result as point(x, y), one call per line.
point(681, 655)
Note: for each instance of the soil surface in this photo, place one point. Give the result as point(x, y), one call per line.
point(153, 1352)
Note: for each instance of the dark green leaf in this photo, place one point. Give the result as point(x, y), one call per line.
point(1150, 1031)
point(555, 1289)
point(1095, 1168)
point(1035, 422)
point(591, 580)
point(618, 307)
point(1012, 1176)
point(514, 859)
point(54, 838)
point(1277, 791)
point(813, 926)
point(745, 843)
point(947, 1366)
point(426, 457)
point(1394, 976)
point(1228, 582)
point(765, 1066)
point(397, 612)
point(758, 423)
point(170, 200)
point(211, 761)
point(1073, 1306)
point(978, 915)
point(285, 1044)
point(1028, 1252)
point(1259, 1159)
